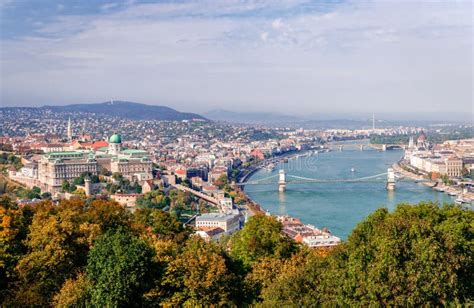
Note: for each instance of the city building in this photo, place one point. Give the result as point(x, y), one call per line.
point(211, 234)
point(453, 166)
point(230, 223)
point(56, 167)
point(307, 234)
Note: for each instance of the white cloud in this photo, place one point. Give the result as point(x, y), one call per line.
point(198, 56)
point(277, 23)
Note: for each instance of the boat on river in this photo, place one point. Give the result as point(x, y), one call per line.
point(461, 201)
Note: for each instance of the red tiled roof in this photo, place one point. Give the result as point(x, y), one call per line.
point(99, 144)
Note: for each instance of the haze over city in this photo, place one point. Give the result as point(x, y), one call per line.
point(287, 56)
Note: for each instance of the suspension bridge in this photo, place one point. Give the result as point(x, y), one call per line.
point(282, 179)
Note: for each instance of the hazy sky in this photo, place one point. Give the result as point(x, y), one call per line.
point(290, 56)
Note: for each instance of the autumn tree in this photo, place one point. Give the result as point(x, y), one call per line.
point(54, 251)
point(74, 293)
point(108, 215)
point(14, 224)
point(198, 276)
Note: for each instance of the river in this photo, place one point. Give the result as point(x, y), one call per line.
point(338, 206)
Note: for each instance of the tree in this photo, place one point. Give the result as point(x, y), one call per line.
point(198, 276)
point(119, 269)
point(153, 199)
point(417, 255)
point(159, 224)
point(260, 237)
point(108, 215)
point(65, 186)
point(55, 250)
point(73, 293)
point(14, 222)
point(221, 181)
point(46, 195)
point(298, 281)
point(36, 190)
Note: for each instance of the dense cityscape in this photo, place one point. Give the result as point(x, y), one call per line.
point(196, 170)
point(250, 153)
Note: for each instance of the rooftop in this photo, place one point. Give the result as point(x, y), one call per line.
point(215, 217)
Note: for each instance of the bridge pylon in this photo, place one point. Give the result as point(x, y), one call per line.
point(390, 179)
point(281, 181)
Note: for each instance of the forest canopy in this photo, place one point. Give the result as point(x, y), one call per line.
point(79, 254)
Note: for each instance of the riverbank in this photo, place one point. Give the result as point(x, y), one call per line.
point(463, 196)
point(339, 206)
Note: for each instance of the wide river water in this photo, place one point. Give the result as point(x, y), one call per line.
point(338, 206)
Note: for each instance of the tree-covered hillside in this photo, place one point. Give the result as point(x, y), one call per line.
point(97, 254)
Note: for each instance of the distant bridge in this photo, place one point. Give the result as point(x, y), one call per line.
point(282, 179)
point(362, 146)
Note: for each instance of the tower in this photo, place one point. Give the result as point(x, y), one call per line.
point(373, 121)
point(281, 181)
point(87, 186)
point(390, 179)
point(411, 143)
point(69, 130)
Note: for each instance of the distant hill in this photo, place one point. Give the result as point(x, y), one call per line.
point(128, 110)
point(313, 121)
point(250, 117)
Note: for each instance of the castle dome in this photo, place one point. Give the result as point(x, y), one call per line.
point(115, 138)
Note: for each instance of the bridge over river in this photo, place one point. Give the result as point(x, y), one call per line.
point(282, 180)
point(362, 146)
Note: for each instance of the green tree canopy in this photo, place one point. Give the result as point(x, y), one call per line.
point(153, 199)
point(160, 224)
point(260, 237)
point(119, 270)
point(417, 255)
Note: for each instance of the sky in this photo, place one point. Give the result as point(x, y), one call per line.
point(294, 57)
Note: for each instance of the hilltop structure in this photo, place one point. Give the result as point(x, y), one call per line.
point(56, 167)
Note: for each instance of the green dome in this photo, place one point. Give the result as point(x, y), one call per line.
point(115, 138)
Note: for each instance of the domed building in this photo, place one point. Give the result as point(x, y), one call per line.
point(56, 167)
point(115, 144)
point(422, 141)
point(131, 163)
